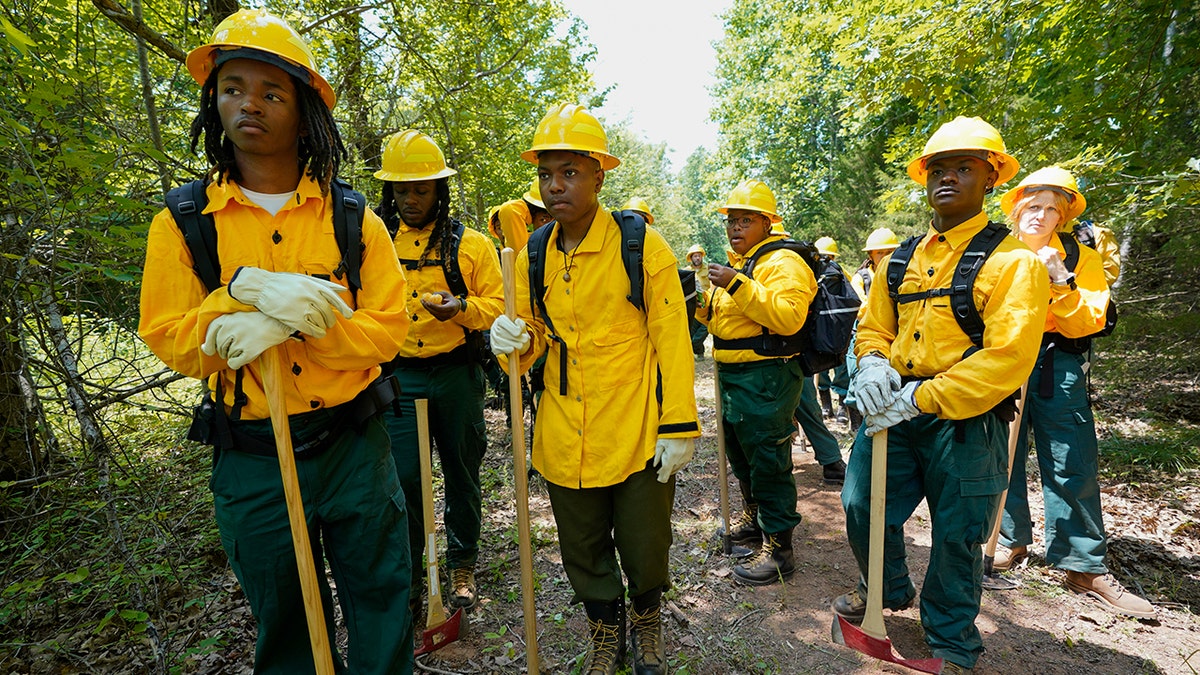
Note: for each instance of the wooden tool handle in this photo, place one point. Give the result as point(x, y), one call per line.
point(872, 623)
point(722, 469)
point(272, 363)
point(520, 476)
point(436, 614)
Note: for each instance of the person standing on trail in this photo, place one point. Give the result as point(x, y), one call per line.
point(946, 400)
point(455, 292)
point(759, 389)
point(618, 416)
point(839, 381)
point(695, 259)
point(1057, 410)
point(271, 140)
point(511, 222)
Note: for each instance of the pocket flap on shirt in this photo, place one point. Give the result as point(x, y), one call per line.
point(982, 487)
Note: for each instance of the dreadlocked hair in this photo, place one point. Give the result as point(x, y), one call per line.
point(321, 148)
point(440, 238)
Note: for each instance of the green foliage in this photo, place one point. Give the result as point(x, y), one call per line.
point(1168, 450)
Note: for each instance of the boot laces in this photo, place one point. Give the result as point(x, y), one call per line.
point(744, 519)
point(649, 632)
point(462, 578)
point(605, 642)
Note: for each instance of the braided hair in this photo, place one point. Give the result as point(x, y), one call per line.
point(440, 238)
point(321, 147)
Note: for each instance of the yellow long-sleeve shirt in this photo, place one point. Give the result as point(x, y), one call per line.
point(176, 308)
point(604, 429)
point(481, 273)
point(1012, 294)
point(777, 298)
point(1080, 312)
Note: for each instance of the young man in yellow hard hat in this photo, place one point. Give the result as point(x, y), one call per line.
point(759, 388)
point(455, 292)
point(511, 222)
point(945, 400)
point(606, 441)
point(268, 133)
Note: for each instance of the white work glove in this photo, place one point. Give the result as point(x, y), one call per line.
point(1058, 270)
point(875, 384)
point(902, 408)
point(240, 337)
point(508, 335)
point(305, 303)
point(671, 455)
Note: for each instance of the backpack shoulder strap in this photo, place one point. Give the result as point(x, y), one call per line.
point(1071, 248)
point(199, 229)
point(633, 238)
point(805, 250)
point(451, 267)
point(898, 265)
point(348, 230)
point(539, 239)
point(962, 300)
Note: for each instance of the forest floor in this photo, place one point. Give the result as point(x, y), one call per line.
point(715, 626)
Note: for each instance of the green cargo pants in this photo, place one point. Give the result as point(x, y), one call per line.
point(355, 512)
point(1064, 434)
point(758, 400)
point(808, 414)
point(455, 393)
point(631, 518)
point(962, 482)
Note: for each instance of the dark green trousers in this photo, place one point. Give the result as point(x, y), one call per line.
point(355, 512)
point(839, 382)
point(962, 482)
point(632, 519)
point(455, 394)
point(758, 400)
point(808, 414)
point(1064, 434)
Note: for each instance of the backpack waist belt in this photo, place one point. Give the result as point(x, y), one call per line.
point(321, 427)
point(1006, 409)
point(460, 355)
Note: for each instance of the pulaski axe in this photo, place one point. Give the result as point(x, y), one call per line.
point(439, 631)
point(871, 639)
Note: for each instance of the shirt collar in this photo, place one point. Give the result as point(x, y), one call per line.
point(219, 195)
point(958, 236)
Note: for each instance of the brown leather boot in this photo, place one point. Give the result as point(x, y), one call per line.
point(775, 562)
point(1110, 594)
point(743, 527)
point(1008, 558)
point(462, 579)
point(606, 632)
point(649, 654)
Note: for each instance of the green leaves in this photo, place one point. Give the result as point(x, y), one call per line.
point(16, 39)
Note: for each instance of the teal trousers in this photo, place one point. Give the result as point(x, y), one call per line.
point(758, 399)
point(959, 468)
point(1064, 435)
point(632, 519)
point(808, 415)
point(355, 512)
point(455, 393)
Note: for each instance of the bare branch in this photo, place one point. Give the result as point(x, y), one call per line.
point(123, 18)
point(319, 21)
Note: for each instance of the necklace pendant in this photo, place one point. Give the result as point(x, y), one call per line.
point(567, 276)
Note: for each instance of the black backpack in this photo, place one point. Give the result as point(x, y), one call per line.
point(633, 236)
point(187, 203)
point(822, 342)
point(1083, 344)
point(962, 300)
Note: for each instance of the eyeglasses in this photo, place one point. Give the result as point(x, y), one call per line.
point(740, 223)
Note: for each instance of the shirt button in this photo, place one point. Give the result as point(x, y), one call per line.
point(568, 291)
point(578, 398)
point(571, 328)
point(415, 317)
point(295, 368)
point(277, 237)
point(917, 335)
point(414, 294)
point(941, 237)
point(930, 272)
point(908, 365)
point(314, 404)
point(574, 362)
point(579, 432)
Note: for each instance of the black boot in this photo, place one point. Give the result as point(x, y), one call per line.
point(606, 630)
point(775, 562)
point(649, 655)
point(826, 402)
point(743, 527)
point(855, 418)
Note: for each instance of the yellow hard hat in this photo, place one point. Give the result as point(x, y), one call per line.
point(411, 155)
point(966, 133)
point(827, 246)
point(752, 195)
point(882, 239)
point(571, 127)
point(534, 196)
point(696, 248)
point(259, 30)
point(1050, 177)
point(638, 204)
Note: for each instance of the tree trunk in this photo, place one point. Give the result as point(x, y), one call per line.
point(20, 448)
